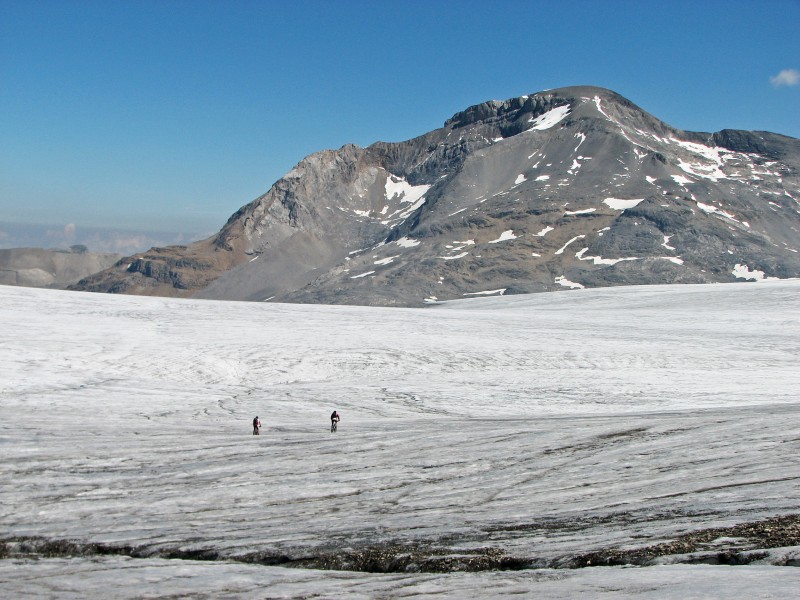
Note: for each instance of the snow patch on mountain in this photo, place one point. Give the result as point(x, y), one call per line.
point(407, 242)
point(499, 292)
point(564, 247)
point(598, 260)
point(545, 231)
point(620, 204)
point(600, 108)
point(713, 210)
point(550, 118)
point(741, 271)
point(398, 188)
point(681, 180)
point(505, 236)
point(710, 172)
point(462, 255)
point(564, 282)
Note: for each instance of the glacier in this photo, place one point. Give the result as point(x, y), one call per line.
point(534, 428)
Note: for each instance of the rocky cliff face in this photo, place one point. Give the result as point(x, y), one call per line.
point(576, 187)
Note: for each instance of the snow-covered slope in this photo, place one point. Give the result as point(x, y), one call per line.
point(527, 432)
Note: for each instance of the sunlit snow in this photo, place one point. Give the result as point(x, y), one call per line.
point(407, 242)
point(709, 209)
point(499, 292)
point(564, 282)
point(505, 236)
point(564, 247)
point(545, 231)
point(620, 204)
point(600, 108)
point(540, 427)
point(455, 256)
point(550, 118)
point(741, 271)
point(397, 187)
point(681, 180)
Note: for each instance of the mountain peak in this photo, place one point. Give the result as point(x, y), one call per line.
point(565, 188)
point(537, 103)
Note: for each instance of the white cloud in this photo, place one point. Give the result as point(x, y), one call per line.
point(786, 77)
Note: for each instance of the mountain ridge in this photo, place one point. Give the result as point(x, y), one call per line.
point(574, 187)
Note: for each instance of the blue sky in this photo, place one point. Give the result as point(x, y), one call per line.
point(170, 115)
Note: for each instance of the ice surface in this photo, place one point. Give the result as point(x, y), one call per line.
point(543, 426)
point(125, 578)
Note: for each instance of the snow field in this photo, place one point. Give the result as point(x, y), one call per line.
point(544, 426)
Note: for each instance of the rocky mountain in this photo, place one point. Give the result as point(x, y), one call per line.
point(568, 188)
point(37, 267)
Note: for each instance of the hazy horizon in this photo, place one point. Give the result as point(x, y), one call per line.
point(52, 236)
